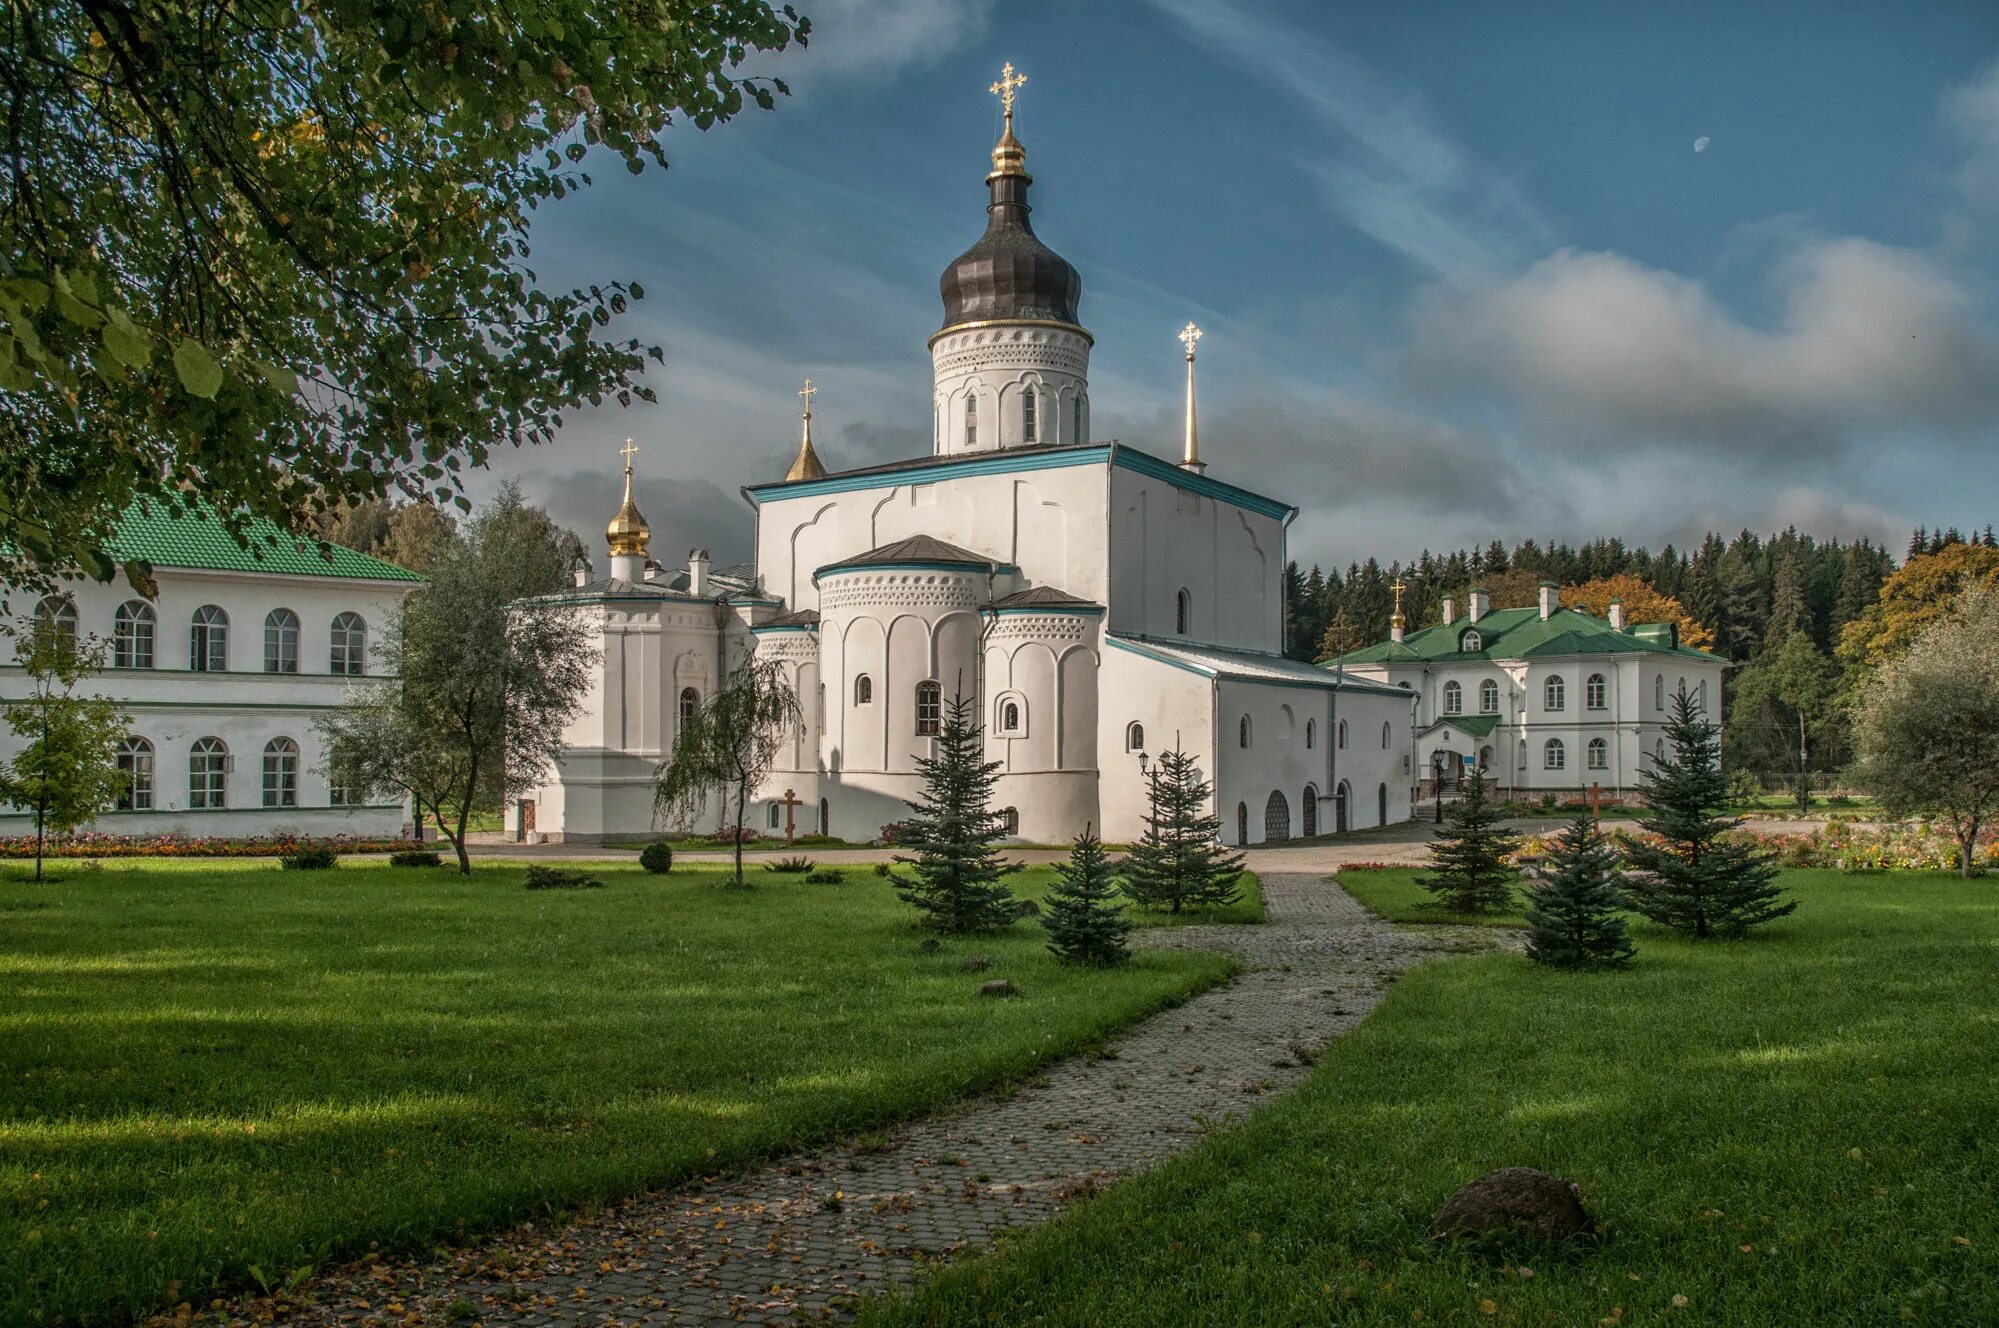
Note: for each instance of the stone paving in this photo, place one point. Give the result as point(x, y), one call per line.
point(797, 1239)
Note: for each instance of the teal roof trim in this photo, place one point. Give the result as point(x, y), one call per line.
point(1144, 463)
point(196, 539)
point(1079, 610)
point(1156, 657)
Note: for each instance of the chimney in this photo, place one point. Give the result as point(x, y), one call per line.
point(697, 571)
point(653, 570)
point(1617, 615)
point(579, 571)
point(1450, 610)
point(1481, 603)
point(1551, 599)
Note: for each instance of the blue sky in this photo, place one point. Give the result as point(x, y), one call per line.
point(1462, 271)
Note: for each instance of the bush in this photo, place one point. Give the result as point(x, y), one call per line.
point(825, 876)
point(309, 857)
point(416, 857)
point(885, 870)
point(795, 865)
point(656, 858)
point(560, 878)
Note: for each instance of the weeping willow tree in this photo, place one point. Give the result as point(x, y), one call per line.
point(730, 743)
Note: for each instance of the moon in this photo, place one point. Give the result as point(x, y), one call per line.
point(1700, 144)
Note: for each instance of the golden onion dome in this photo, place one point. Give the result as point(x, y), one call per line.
point(629, 534)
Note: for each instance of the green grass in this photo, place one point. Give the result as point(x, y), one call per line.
point(1392, 893)
point(206, 1066)
point(1796, 1128)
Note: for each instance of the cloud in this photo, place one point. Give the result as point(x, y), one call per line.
point(877, 37)
point(1972, 110)
point(1391, 170)
point(1626, 355)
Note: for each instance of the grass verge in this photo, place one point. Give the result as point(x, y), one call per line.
point(1788, 1129)
point(1392, 893)
point(207, 1068)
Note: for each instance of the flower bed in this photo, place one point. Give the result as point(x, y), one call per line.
point(1864, 848)
point(193, 846)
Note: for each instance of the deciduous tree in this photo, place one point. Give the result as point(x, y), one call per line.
point(1922, 591)
point(66, 772)
point(729, 744)
point(1641, 604)
point(1787, 715)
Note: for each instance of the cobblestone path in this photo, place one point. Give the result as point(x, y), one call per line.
point(794, 1240)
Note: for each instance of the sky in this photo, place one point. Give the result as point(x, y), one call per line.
point(1466, 271)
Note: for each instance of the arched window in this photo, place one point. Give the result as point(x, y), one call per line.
point(1596, 695)
point(1659, 751)
point(1387, 732)
point(208, 774)
point(971, 419)
point(1276, 818)
point(1242, 823)
point(1381, 805)
point(281, 641)
point(1009, 821)
point(132, 635)
point(57, 615)
point(1555, 693)
point(1599, 754)
point(1242, 732)
point(1680, 688)
point(1659, 692)
point(281, 773)
point(1341, 735)
point(135, 771)
point(690, 704)
point(1029, 426)
point(208, 640)
point(1079, 422)
point(1134, 737)
point(350, 645)
point(1454, 699)
point(1308, 810)
point(1470, 643)
point(1311, 734)
point(929, 709)
point(1554, 756)
point(1523, 754)
point(775, 819)
point(864, 690)
point(1183, 612)
point(1488, 697)
point(1011, 715)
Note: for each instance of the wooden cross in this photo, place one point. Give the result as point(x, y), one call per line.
point(806, 394)
point(1009, 83)
point(790, 800)
point(1596, 805)
point(628, 451)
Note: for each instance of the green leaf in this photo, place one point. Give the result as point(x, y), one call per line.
point(127, 344)
point(200, 372)
point(277, 375)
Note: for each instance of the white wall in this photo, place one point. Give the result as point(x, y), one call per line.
point(1283, 759)
point(1229, 560)
point(994, 366)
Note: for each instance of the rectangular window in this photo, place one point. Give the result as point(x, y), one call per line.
point(929, 709)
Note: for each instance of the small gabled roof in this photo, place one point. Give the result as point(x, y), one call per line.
point(922, 550)
point(796, 618)
point(1043, 597)
point(1516, 634)
point(1479, 726)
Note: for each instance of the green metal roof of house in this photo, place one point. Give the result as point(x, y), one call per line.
point(1515, 634)
point(196, 538)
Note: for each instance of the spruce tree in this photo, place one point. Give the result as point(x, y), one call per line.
point(1085, 921)
point(1573, 916)
point(1469, 870)
point(959, 878)
point(1180, 862)
point(1691, 878)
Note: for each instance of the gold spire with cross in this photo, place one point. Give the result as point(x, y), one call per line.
point(1190, 458)
point(628, 531)
point(806, 465)
point(1397, 624)
point(1009, 157)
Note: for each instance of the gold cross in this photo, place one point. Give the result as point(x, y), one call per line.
point(1398, 588)
point(1188, 336)
point(807, 393)
point(1008, 84)
point(628, 451)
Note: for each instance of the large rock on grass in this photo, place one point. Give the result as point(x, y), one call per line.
point(1515, 1201)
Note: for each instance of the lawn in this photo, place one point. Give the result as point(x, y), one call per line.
point(1392, 893)
point(1795, 1128)
point(214, 1074)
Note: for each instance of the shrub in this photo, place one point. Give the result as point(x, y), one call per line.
point(825, 876)
point(794, 865)
point(309, 857)
point(560, 878)
point(885, 870)
point(91, 844)
point(656, 858)
point(416, 857)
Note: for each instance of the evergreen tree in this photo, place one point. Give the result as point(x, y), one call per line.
point(1789, 611)
point(959, 880)
point(1470, 873)
point(1692, 879)
point(1573, 918)
point(1180, 863)
point(1085, 921)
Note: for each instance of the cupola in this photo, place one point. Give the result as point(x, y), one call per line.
point(628, 533)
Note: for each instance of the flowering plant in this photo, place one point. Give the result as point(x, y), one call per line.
point(96, 845)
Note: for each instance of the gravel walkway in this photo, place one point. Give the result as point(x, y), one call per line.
point(796, 1239)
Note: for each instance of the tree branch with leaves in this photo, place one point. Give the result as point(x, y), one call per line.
point(729, 745)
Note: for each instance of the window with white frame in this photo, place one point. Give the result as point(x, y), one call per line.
point(208, 640)
point(1488, 697)
point(1029, 425)
point(1134, 737)
point(1555, 693)
point(971, 419)
point(864, 690)
point(208, 774)
point(1010, 721)
point(57, 615)
point(281, 641)
point(1599, 754)
point(281, 773)
point(1454, 699)
point(1596, 693)
point(135, 771)
point(349, 652)
point(1659, 692)
point(132, 628)
point(929, 709)
point(1554, 756)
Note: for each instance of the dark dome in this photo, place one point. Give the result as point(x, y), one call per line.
point(1009, 273)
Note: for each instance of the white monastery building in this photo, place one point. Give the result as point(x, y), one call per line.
point(1545, 699)
point(1099, 604)
point(223, 674)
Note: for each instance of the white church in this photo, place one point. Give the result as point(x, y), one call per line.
point(1099, 604)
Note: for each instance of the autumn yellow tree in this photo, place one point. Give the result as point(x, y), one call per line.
point(1642, 604)
point(1924, 591)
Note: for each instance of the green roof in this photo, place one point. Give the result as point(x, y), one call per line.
point(1516, 634)
point(164, 537)
point(1479, 726)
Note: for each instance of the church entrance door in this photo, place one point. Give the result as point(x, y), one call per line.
point(825, 818)
point(526, 820)
point(1241, 823)
point(1276, 818)
point(1341, 797)
point(1309, 812)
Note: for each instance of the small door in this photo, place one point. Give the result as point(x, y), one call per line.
point(1241, 823)
point(1340, 807)
point(825, 818)
point(1276, 819)
point(526, 819)
point(1310, 810)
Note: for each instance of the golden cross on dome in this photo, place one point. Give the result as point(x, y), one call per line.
point(1188, 336)
point(628, 451)
point(806, 394)
point(1009, 83)
point(1398, 588)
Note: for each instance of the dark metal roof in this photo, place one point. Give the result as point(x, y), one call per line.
point(915, 549)
point(1009, 273)
point(1043, 597)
